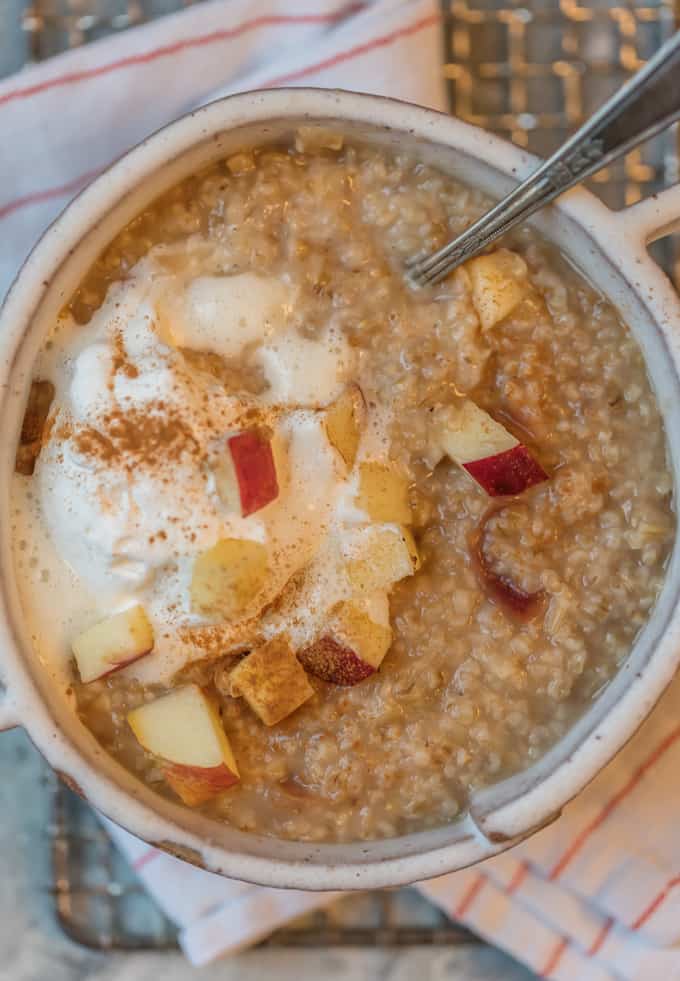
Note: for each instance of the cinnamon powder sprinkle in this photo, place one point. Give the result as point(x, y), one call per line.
point(221, 640)
point(134, 437)
point(120, 361)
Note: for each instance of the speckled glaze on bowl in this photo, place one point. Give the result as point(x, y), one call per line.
point(609, 247)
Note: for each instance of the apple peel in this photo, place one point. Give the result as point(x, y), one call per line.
point(253, 462)
point(350, 649)
point(335, 662)
point(507, 474)
point(498, 587)
point(197, 786)
point(183, 730)
point(485, 449)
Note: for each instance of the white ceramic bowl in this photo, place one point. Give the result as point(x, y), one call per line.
point(609, 247)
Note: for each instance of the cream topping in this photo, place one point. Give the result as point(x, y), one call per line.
point(124, 490)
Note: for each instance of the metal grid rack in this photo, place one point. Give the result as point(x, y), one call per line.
point(100, 903)
point(534, 71)
point(530, 71)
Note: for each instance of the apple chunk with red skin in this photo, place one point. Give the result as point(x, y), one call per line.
point(246, 474)
point(350, 648)
point(493, 457)
point(112, 644)
point(499, 586)
point(183, 729)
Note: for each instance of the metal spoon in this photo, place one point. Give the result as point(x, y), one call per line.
point(648, 103)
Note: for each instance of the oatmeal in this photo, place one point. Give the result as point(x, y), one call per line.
point(319, 554)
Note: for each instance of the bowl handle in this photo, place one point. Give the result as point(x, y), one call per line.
point(655, 217)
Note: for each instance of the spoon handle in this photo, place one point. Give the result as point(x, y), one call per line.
point(648, 103)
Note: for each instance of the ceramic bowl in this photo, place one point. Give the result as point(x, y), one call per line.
point(610, 247)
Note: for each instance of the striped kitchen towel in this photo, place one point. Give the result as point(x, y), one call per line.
point(593, 897)
point(596, 895)
point(66, 120)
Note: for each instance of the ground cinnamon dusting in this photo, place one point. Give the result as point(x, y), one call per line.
point(215, 640)
point(120, 361)
point(134, 437)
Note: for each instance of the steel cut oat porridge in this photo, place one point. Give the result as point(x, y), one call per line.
point(317, 553)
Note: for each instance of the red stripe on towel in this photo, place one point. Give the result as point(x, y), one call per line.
point(655, 903)
point(145, 858)
point(177, 47)
point(517, 879)
point(580, 840)
point(37, 197)
point(469, 897)
point(554, 958)
point(600, 938)
point(360, 49)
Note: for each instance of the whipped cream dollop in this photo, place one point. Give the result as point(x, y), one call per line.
point(126, 489)
point(224, 314)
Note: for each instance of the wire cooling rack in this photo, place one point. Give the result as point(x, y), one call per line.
point(530, 71)
point(100, 903)
point(534, 71)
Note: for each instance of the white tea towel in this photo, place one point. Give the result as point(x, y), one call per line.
point(66, 120)
point(594, 897)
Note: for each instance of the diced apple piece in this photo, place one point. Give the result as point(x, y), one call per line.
point(383, 493)
point(272, 681)
point(507, 473)
point(112, 644)
point(465, 432)
point(350, 649)
point(228, 576)
point(499, 284)
point(309, 139)
point(381, 556)
point(246, 474)
point(241, 163)
point(345, 421)
point(498, 462)
point(183, 729)
point(195, 786)
point(226, 483)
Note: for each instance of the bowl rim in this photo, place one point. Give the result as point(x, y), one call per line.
point(605, 228)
